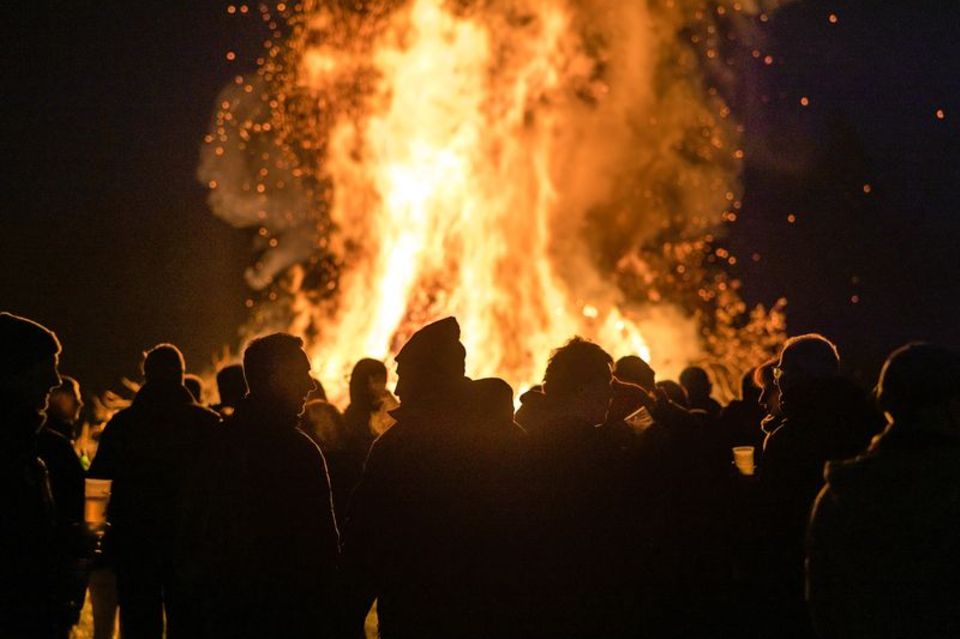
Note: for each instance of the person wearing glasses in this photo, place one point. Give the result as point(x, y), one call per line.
point(824, 417)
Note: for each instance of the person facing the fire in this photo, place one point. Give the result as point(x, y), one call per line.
point(152, 451)
point(430, 525)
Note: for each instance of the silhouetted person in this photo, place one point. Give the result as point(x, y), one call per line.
point(674, 392)
point(698, 386)
point(740, 419)
point(261, 542)
point(825, 417)
point(55, 447)
point(152, 452)
point(63, 408)
point(635, 370)
point(231, 386)
point(884, 548)
point(367, 415)
point(318, 392)
point(585, 551)
point(433, 525)
point(194, 384)
point(31, 567)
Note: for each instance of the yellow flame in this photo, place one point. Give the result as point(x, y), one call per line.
point(447, 185)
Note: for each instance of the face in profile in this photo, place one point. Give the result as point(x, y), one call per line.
point(294, 383)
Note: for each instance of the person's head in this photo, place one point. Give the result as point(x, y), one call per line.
point(635, 370)
point(805, 359)
point(368, 381)
point(29, 356)
point(764, 379)
point(674, 392)
point(578, 378)
point(749, 390)
point(432, 360)
point(277, 371)
point(163, 364)
point(65, 403)
point(494, 398)
point(696, 382)
point(231, 385)
point(921, 382)
point(195, 385)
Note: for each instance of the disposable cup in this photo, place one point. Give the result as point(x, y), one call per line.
point(743, 458)
point(98, 497)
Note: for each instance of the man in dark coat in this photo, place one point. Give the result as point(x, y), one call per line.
point(825, 418)
point(585, 542)
point(31, 568)
point(432, 524)
point(261, 546)
point(883, 547)
point(151, 451)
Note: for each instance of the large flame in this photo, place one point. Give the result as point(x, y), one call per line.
point(457, 158)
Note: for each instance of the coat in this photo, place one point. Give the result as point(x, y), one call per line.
point(883, 546)
point(434, 525)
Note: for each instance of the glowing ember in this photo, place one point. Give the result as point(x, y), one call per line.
point(504, 162)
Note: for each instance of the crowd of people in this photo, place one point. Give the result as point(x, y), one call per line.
point(606, 505)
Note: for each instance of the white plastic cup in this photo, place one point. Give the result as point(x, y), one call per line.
point(743, 458)
point(97, 499)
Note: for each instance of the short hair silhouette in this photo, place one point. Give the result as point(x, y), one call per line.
point(635, 370)
point(811, 356)
point(495, 396)
point(363, 372)
point(575, 364)
point(23, 343)
point(231, 385)
point(696, 381)
point(68, 386)
point(674, 392)
point(163, 363)
point(195, 385)
point(918, 375)
point(749, 388)
point(266, 356)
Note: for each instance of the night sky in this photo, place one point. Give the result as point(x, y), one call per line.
point(105, 235)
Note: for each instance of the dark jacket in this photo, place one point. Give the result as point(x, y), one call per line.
point(260, 545)
point(884, 547)
point(152, 452)
point(585, 547)
point(433, 526)
point(28, 568)
point(67, 486)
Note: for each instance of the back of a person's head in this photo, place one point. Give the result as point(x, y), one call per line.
point(64, 400)
point(749, 389)
point(163, 363)
point(696, 381)
point(810, 356)
point(268, 356)
point(635, 370)
point(576, 364)
point(23, 343)
point(324, 423)
point(363, 371)
point(494, 396)
point(194, 384)
point(231, 385)
point(68, 386)
point(674, 392)
point(917, 376)
point(434, 351)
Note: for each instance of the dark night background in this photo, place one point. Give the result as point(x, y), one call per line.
point(105, 235)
